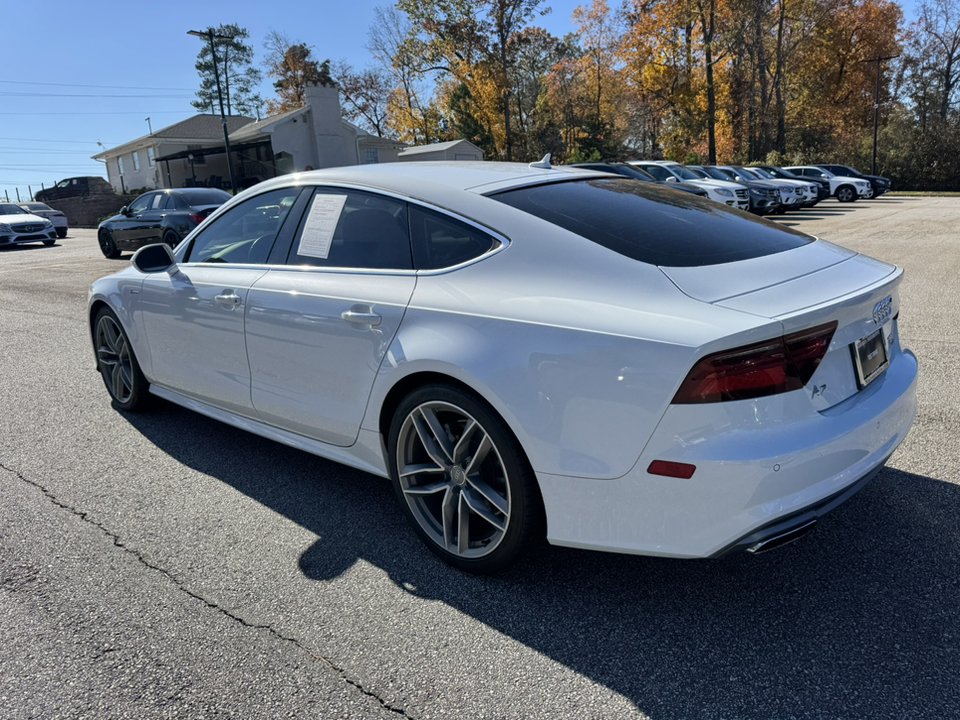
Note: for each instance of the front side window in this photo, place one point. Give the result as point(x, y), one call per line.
point(353, 229)
point(246, 232)
point(652, 225)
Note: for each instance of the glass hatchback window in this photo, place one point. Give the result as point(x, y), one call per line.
point(246, 232)
point(646, 223)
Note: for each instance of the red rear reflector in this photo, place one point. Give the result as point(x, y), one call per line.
point(672, 469)
point(757, 370)
point(198, 218)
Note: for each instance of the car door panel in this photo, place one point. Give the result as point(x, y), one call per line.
point(194, 325)
point(315, 340)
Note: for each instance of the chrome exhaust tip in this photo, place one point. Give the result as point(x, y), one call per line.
point(782, 539)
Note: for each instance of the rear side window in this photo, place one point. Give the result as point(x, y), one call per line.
point(440, 241)
point(645, 222)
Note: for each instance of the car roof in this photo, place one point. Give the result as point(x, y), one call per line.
point(419, 178)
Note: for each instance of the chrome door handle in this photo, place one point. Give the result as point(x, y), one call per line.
point(229, 299)
point(361, 318)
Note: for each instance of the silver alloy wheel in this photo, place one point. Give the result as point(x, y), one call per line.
point(116, 362)
point(453, 479)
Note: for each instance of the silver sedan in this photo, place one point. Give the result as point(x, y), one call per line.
point(528, 352)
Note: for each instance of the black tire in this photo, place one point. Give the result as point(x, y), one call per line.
point(479, 516)
point(117, 363)
point(846, 193)
point(171, 238)
point(61, 233)
point(107, 246)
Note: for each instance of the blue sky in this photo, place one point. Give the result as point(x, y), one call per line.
point(76, 73)
point(79, 73)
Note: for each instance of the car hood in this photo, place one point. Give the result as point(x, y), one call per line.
point(729, 185)
point(19, 219)
point(783, 283)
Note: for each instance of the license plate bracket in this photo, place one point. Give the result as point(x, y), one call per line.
point(870, 357)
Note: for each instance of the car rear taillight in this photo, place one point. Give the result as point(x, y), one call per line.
point(757, 370)
point(197, 218)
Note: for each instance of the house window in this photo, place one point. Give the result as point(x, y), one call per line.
point(372, 158)
point(120, 164)
point(150, 158)
point(136, 161)
point(197, 158)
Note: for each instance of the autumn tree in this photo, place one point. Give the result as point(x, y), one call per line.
point(469, 40)
point(413, 115)
point(364, 96)
point(292, 66)
point(239, 78)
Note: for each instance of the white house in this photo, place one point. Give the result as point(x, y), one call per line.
point(133, 165)
point(192, 152)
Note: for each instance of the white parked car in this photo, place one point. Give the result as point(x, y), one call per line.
point(43, 210)
point(17, 226)
point(527, 351)
point(721, 191)
point(843, 188)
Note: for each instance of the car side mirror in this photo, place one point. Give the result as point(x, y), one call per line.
point(124, 210)
point(671, 178)
point(154, 258)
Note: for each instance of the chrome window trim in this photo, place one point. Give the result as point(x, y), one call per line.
point(501, 244)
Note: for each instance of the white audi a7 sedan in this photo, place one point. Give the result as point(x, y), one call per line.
point(528, 352)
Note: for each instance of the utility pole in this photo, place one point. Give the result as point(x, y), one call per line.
point(876, 106)
point(210, 35)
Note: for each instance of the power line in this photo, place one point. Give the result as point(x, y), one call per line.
point(8, 93)
point(107, 87)
point(105, 112)
point(83, 142)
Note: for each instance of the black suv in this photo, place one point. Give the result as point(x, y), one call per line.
point(878, 184)
point(74, 187)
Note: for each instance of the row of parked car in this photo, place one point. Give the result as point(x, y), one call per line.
point(760, 189)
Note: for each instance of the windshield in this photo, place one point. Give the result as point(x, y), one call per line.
point(747, 174)
point(681, 171)
point(761, 173)
point(717, 173)
point(11, 209)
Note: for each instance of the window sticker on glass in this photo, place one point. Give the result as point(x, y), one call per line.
point(321, 222)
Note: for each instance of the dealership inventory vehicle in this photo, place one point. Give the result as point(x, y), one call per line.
point(843, 188)
point(57, 218)
point(764, 197)
point(527, 351)
point(630, 171)
point(158, 216)
point(722, 191)
point(17, 226)
point(878, 185)
point(819, 184)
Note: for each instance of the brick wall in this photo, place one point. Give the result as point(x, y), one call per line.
point(87, 211)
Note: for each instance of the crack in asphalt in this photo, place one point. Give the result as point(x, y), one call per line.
point(118, 542)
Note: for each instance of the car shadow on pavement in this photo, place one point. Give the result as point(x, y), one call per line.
point(858, 619)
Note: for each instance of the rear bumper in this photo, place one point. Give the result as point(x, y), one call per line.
point(763, 469)
point(792, 527)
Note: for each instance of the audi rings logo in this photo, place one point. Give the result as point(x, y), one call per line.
point(882, 310)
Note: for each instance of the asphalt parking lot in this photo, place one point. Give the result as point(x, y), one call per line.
point(168, 566)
